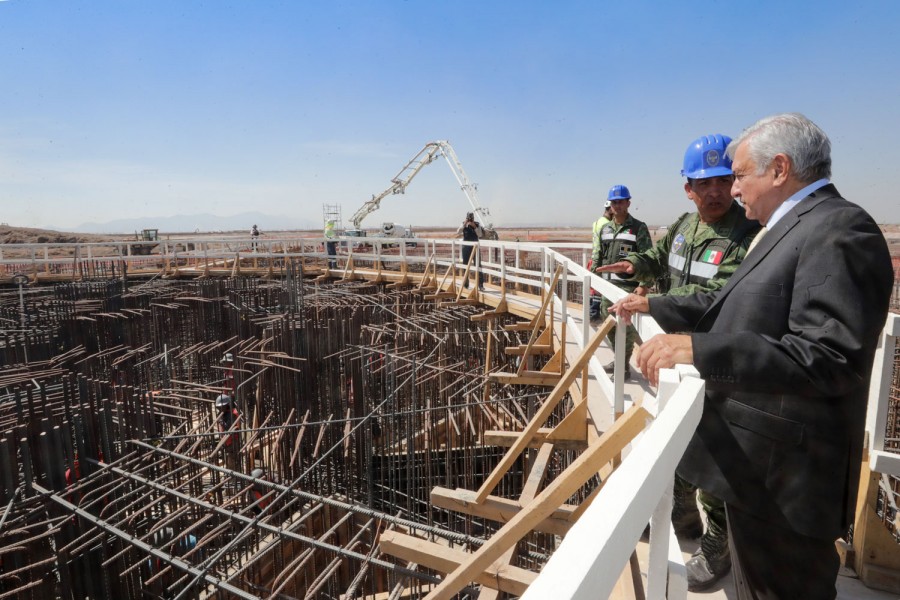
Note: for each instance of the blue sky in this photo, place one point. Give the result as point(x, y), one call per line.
point(144, 109)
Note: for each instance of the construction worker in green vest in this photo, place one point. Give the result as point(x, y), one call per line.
point(595, 253)
point(330, 243)
point(699, 253)
point(619, 237)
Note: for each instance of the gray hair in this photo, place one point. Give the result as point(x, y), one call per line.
point(791, 134)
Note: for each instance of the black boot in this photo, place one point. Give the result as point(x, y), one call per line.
point(685, 515)
point(712, 560)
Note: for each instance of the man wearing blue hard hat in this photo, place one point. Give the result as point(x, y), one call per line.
point(619, 237)
point(699, 253)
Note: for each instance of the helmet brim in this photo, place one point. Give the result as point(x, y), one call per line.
point(707, 173)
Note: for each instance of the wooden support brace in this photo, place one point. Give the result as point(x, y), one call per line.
point(567, 483)
point(527, 378)
point(441, 558)
point(546, 408)
point(506, 439)
point(500, 509)
point(876, 551)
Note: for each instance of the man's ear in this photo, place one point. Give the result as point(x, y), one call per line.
point(782, 169)
point(688, 190)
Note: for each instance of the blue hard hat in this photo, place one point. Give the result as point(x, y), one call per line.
point(619, 192)
point(706, 157)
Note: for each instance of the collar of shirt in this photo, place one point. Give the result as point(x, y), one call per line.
point(793, 201)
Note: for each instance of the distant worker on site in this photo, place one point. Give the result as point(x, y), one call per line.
point(471, 231)
point(228, 364)
point(226, 417)
point(254, 236)
point(330, 244)
point(619, 237)
point(698, 254)
point(259, 496)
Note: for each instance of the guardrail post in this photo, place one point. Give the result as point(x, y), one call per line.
point(585, 310)
point(620, 367)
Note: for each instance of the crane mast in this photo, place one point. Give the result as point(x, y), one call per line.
point(428, 154)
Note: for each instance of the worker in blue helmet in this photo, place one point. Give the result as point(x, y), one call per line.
point(699, 253)
point(619, 237)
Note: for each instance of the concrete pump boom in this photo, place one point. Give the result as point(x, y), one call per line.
point(401, 180)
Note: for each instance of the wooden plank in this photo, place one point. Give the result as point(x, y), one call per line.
point(406, 594)
point(527, 378)
point(545, 410)
point(529, 491)
point(506, 578)
point(537, 349)
point(500, 509)
point(573, 428)
point(580, 471)
point(506, 439)
point(876, 551)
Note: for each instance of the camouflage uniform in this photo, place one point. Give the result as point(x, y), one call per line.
point(695, 258)
point(617, 242)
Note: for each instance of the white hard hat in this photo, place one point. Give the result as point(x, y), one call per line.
point(223, 401)
point(227, 357)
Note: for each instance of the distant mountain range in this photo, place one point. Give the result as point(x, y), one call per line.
point(203, 222)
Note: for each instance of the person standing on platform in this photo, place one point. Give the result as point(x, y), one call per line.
point(786, 350)
point(595, 252)
point(618, 238)
point(699, 253)
point(471, 231)
point(330, 243)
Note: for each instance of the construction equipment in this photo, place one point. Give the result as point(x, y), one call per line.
point(425, 156)
point(150, 239)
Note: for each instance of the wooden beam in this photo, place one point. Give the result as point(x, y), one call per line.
point(546, 409)
point(876, 551)
point(505, 578)
point(494, 437)
point(527, 378)
point(529, 491)
point(500, 509)
point(567, 483)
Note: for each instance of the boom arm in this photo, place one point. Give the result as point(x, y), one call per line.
point(398, 183)
point(482, 214)
point(426, 156)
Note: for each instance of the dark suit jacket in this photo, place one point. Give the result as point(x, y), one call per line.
point(786, 349)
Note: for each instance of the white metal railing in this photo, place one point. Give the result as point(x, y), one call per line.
point(880, 460)
point(592, 555)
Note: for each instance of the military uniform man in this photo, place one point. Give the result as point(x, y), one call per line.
point(699, 253)
point(621, 236)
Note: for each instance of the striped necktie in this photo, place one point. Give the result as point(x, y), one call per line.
point(755, 241)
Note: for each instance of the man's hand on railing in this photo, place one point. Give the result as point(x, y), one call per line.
point(664, 352)
point(630, 304)
point(623, 266)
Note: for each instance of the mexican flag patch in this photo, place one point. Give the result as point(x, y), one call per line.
point(712, 257)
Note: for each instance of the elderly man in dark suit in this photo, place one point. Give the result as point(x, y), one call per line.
point(786, 349)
